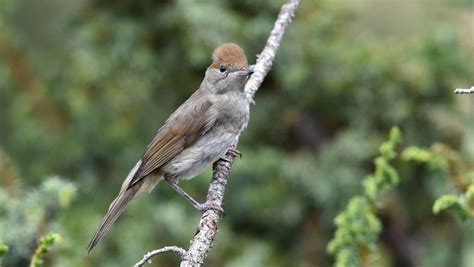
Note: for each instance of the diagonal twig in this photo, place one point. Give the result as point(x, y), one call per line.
point(265, 59)
point(147, 257)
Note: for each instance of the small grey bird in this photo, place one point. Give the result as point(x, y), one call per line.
point(197, 134)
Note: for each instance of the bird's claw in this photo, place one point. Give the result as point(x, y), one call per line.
point(234, 152)
point(211, 206)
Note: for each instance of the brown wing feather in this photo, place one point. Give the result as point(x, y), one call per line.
point(188, 122)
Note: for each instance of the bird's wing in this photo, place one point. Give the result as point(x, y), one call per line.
point(191, 120)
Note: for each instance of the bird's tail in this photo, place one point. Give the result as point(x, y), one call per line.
point(116, 208)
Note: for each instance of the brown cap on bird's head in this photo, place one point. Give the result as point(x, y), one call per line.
point(229, 54)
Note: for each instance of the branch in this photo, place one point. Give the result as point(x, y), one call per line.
point(147, 257)
point(207, 229)
point(201, 244)
point(265, 59)
point(464, 91)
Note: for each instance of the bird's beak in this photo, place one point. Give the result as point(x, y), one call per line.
point(250, 69)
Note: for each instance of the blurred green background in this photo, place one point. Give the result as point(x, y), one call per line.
point(85, 84)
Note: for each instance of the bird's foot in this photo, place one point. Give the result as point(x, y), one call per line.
point(234, 152)
point(211, 206)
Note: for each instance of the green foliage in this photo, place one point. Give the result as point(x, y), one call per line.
point(24, 215)
point(60, 192)
point(443, 159)
point(385, 176)
point(416, 154)
point(461, 204)
point(3, 250)
point(45, 245)
point(358, 227)
point(450, 202)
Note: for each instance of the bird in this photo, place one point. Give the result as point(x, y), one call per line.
point(197, 134)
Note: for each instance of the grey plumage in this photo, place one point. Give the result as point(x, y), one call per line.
point(194, 136)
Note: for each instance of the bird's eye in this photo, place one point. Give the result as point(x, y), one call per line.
point(222, 69)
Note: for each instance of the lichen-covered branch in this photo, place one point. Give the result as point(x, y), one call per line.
point(265, 59)
point(464, 91)
point(202, 242)
point(207, 229)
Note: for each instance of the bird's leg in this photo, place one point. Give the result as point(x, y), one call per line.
point(199, 206)
point(186, 196)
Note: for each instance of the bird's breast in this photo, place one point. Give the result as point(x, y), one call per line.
point(233, 112)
